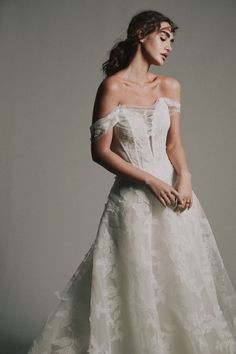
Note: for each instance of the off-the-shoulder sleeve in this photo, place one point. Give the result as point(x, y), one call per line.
point(102, 125)
point(173, 105)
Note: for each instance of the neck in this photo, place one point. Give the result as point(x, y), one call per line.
point(138, 69)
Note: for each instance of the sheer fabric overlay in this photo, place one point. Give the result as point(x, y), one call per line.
point(153, 281)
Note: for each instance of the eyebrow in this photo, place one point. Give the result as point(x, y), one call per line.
point(168, 34)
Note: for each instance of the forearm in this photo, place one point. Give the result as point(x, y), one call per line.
point(177, 157)
point(117, 165)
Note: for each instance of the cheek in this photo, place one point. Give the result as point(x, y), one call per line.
point(157, 47)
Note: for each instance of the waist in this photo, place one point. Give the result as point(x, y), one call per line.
point(162, 169)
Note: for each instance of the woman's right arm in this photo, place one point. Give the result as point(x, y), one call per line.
point(106, 99)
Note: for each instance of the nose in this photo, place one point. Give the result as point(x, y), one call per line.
point(168, 46)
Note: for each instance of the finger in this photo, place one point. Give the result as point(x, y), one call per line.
point(176, 193)
point(172, 197)
point(175, 204)
point(191, 203)
point(185, 205)
point(188, 203)
point(167, 199)
point(177, 207)
point(181, 207)
point(162, 201)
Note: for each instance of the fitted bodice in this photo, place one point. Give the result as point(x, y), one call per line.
point(139, 133)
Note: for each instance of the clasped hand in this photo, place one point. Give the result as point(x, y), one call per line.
point(184, 187)
point(178, 197)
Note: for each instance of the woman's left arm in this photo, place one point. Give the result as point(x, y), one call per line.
point(175, 149)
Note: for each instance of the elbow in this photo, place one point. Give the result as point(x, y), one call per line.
point(97, 156)
point(172, 146)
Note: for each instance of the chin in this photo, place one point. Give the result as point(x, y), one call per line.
point(158, 63)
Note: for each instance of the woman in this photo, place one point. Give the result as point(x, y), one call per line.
point(153, 280)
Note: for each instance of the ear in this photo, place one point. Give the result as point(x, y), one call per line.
point(140, 35)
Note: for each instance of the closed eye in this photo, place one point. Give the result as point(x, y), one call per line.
point(166, 36)
point(164, 39)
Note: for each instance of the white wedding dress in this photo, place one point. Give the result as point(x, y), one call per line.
point(153, 281)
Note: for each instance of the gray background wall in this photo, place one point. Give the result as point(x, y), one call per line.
point(52, 193)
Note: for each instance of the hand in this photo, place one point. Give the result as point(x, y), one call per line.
point(167, 194)
point(184, 187)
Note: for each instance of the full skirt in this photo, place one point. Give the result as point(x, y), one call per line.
point(152, 282)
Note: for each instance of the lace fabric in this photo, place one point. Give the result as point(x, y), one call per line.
point(103, 124)
point(153, 281)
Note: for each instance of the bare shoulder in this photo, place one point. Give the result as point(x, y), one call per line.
point(110, 84)
point(107, 97)
point(170, 87)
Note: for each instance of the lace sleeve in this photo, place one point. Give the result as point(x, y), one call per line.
point(102, 125)
point(173, 105)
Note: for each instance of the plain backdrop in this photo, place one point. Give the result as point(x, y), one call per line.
point(52, 193)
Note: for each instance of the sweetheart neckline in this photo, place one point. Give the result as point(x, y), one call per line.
point(130, 106)
point(141, 106)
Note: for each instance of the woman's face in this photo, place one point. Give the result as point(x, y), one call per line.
point(156, 46)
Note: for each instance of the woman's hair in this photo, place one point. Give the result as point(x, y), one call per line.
point(123, 51)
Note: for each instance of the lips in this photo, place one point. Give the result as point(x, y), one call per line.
point(164, 56)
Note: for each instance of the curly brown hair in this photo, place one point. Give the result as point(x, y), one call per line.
point(123, 51)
